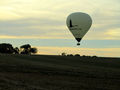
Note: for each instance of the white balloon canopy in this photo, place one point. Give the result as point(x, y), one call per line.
point(79, 23)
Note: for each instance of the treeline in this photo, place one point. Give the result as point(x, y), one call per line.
point(65, 54)
point(6, 48)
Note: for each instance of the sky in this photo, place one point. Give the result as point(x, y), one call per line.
point(42, 23)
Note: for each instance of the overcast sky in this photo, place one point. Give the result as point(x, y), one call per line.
point(42, 23)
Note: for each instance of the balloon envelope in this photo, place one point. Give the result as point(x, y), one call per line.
point(79, 23)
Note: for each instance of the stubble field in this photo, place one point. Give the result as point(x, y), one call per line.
point(44, 72)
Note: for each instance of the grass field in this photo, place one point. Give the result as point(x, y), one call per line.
point(44, 72)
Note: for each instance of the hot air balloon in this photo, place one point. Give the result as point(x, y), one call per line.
point(78, 23)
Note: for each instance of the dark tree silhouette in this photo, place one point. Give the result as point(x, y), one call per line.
point(33, 50)
point(26, 49)
point(16, 50)
point(6, 48)
point(26, 46)
point(63, 54)
point(70, 55)
point(77, 54)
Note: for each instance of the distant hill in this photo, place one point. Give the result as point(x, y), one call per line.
point(49, 72)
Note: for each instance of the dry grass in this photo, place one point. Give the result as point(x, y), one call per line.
point(23, 72)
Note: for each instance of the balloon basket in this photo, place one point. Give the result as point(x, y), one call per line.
point(78, 44)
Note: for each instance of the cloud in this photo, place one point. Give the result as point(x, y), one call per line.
point(113, 34)
point(47, 36)
point(47, 18)
point(6, 14)
point(35, 27)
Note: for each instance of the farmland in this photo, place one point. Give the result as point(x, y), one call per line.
point(49, 72)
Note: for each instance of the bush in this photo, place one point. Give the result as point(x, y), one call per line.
point(77, 54)
point(63, 54)
point(70, 55)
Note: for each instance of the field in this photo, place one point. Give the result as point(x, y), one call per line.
point(44, 72)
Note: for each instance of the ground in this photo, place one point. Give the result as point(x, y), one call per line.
point(45, 72)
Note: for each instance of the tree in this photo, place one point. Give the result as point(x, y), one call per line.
point(6, 48)
point(69, 54)
point(26, 46)
point(77, 54)
point(16, 50)
point(33, 50)
point(63, 54)
point(27, 49)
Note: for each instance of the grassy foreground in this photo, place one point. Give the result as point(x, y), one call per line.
point(42, 72)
